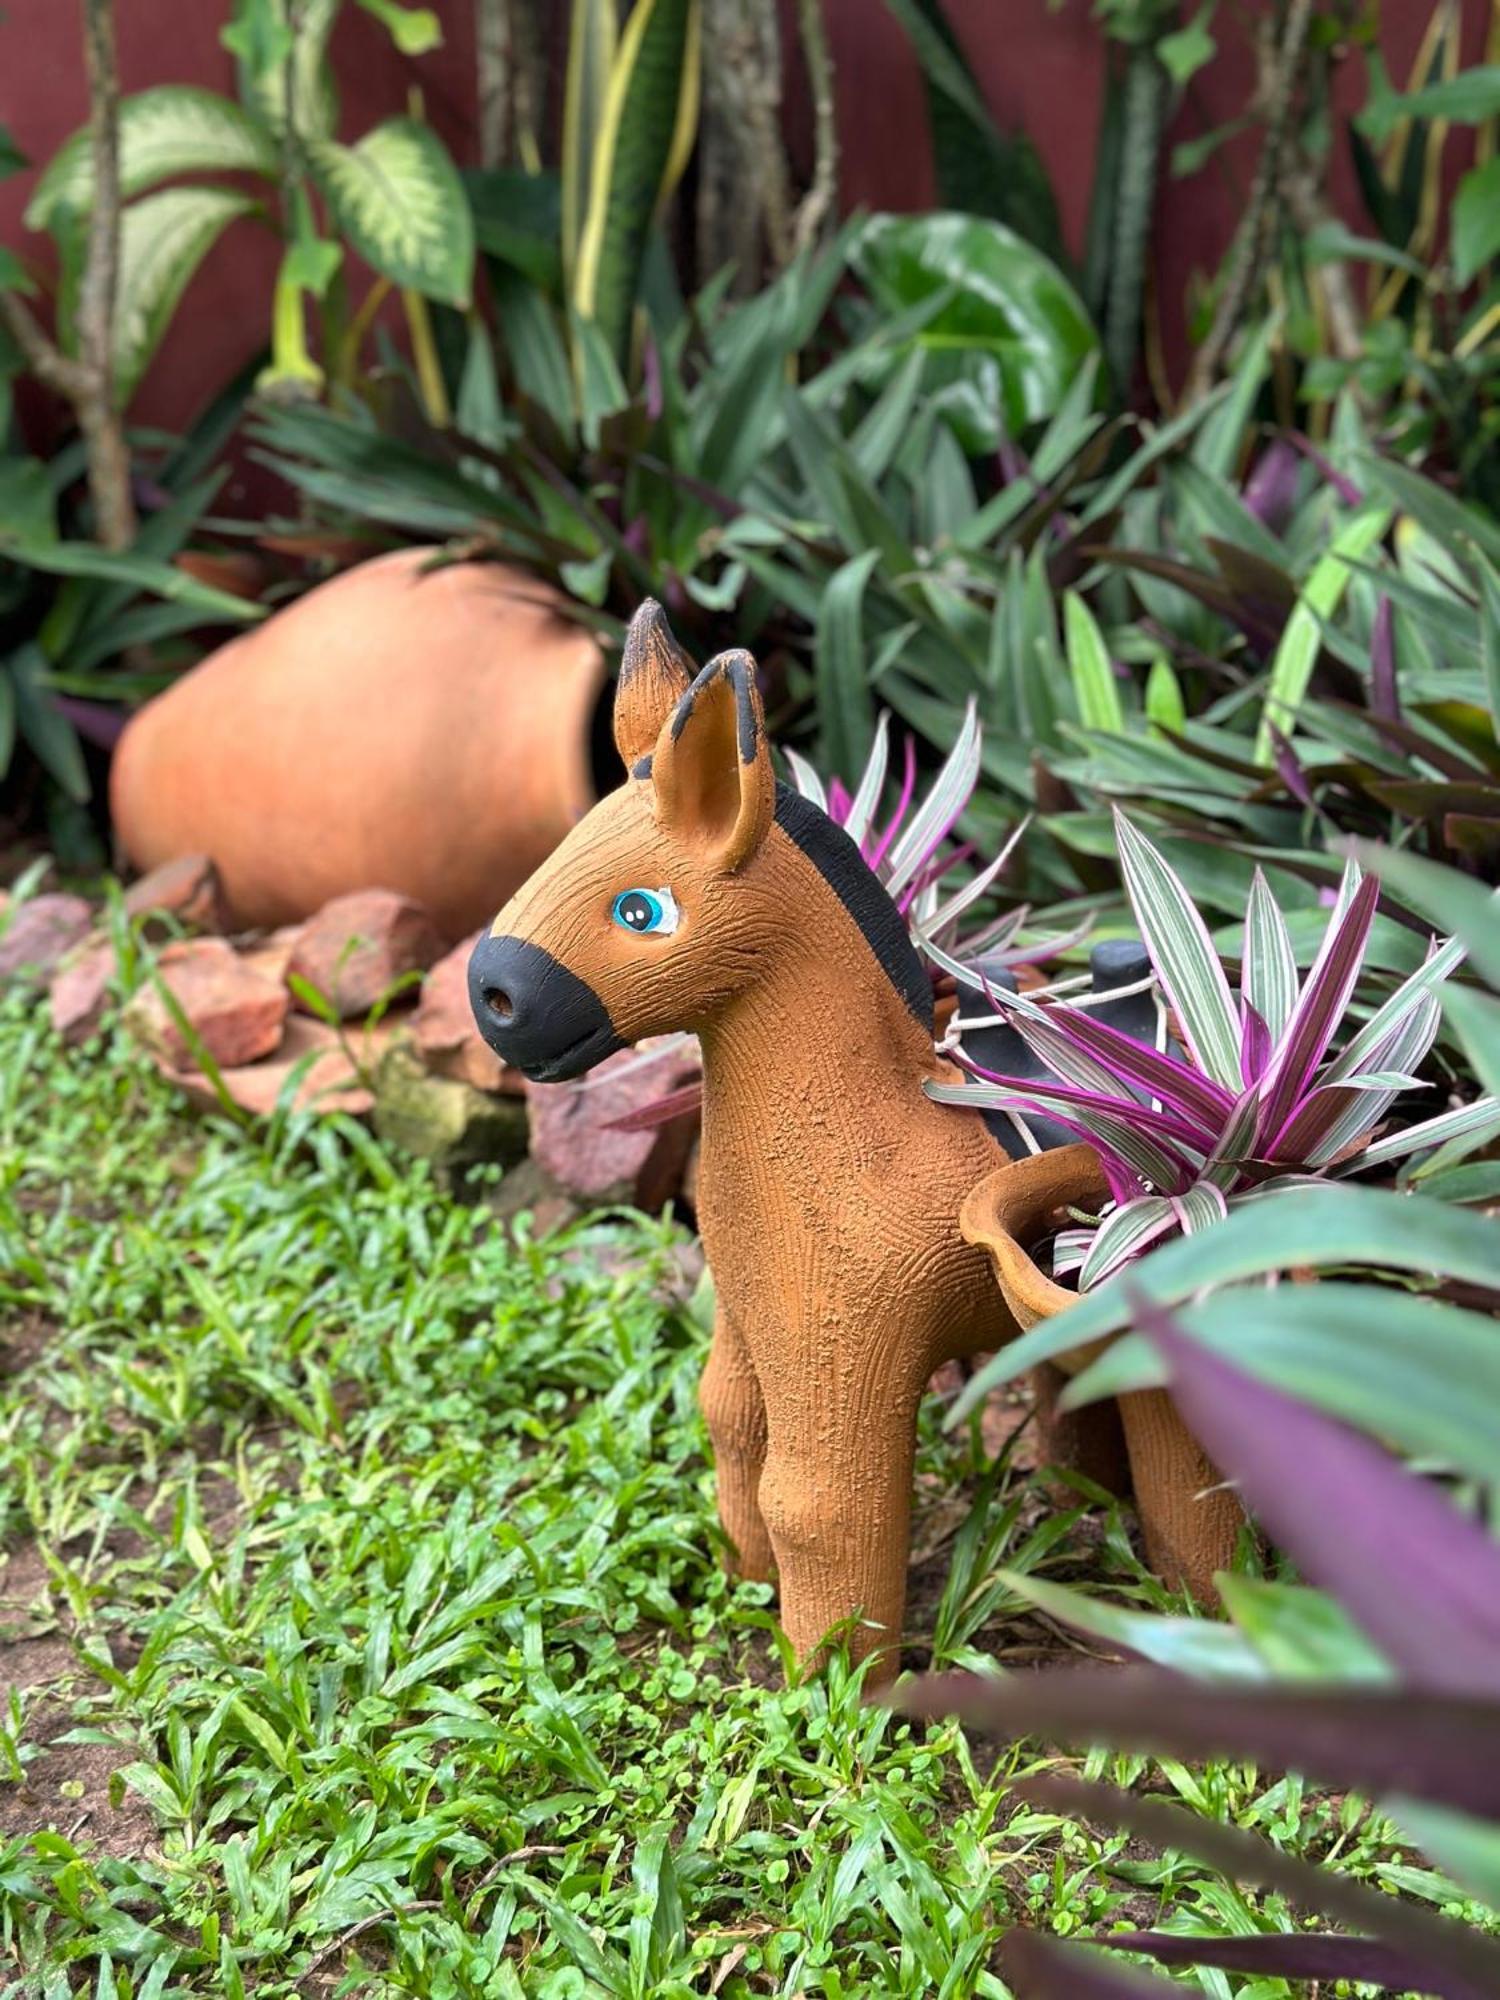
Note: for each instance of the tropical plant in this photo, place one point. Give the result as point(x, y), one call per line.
point(1381, 1669)
point(76, 619)
point(394, 197)
point(1257, 1101)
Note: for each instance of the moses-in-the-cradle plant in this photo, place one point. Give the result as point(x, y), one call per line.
point(1241, 1096)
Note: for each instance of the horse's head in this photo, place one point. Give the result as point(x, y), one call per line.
point(639, 922)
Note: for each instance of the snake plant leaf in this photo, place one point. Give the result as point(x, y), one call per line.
point(516, 221)
point(164, 237)
point(649, 122)
point(1004, 350)
point(593, 40)
point(397, 198)
point(165, 132)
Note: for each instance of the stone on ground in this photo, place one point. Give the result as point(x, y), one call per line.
point(442, 1119)
point(444, 1031)
point(187, 888)
point(570, 1138)
point(41, 932)
point(236, 1012)
point(357, 947)
point(80, 990)
point(330, 1081)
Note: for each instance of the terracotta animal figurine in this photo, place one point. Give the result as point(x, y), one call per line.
point(703, 895)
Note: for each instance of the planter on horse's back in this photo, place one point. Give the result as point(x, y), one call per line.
point(1189, 1521)
point(703, 896)
point(409, 727)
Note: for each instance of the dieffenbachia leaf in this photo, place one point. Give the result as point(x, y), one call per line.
point(397, 197)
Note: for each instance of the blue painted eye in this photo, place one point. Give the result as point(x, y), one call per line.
point(645, 911)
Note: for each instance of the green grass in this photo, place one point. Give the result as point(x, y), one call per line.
point(364, 1605)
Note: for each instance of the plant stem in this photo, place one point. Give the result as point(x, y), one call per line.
point(816, 205)
point(1248, 255)
point(109, 457)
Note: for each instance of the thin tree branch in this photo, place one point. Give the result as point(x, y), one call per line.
point(51, 367)
point(108, 455)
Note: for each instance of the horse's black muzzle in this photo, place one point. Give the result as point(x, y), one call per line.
point(534, 1013)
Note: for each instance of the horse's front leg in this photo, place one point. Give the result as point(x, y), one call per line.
point(735, 1413)
point(836, 1489)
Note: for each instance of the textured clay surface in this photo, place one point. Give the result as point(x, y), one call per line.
point(828, 1186)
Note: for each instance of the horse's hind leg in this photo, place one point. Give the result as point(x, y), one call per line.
point(736, 1416)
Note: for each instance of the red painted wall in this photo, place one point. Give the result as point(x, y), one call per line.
point(1040, 70)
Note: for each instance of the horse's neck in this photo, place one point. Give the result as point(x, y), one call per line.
point(814, 1060)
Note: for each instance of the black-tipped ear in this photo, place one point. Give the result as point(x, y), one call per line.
point(711, 769)
point(655, 673)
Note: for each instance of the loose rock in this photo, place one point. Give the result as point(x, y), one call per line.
point(187, 888)
point(444, 1032)
point(442, 1119)
point(570, 1138)
point(41, 932)
point(331, 1081)
point(80, 990)
point(357, 947)
point(236, 1012)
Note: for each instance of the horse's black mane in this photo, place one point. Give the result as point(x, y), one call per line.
point(851, 879)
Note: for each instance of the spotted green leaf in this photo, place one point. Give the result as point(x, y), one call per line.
point(167, 131)
point(398, 199)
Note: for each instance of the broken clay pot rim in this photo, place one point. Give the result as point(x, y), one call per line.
point(1012, 1209)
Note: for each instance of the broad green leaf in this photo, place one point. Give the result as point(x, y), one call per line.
point(1196, 1646)
point(162, 579)
point(397, 197)
point(839, 671)
point(1466, 99)
point(1489, 624)
point(1476, 1016)
point(1317, 1227)
point(1003, 352)
point(1184, 956)
point(1295, 656)
point(1423, 1374)
point(1163, 697)
point(42, 724)
point(516, 219)
point(164, 237)
point(1451, 521)
point(1301, 1634)
point(1092, 669)
point(650, 108)
point(169, 130)
point(28, 503)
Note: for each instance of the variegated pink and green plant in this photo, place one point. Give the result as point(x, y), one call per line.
point(1244, 1094)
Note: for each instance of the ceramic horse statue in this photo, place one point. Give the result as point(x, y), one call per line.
point(703, 895)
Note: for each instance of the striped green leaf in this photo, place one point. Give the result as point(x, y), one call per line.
point(593, 39)
point(1093, 672)
point(1184, 956)
point(650, 118)
point(1269, 980)
point(397, 198)
point(170, 130)
point(1125, 1234)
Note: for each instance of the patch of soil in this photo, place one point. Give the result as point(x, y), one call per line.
point(66, 1787)
point(24, 1341)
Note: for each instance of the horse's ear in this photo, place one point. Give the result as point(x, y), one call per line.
point(711, 768)
point(655, 673)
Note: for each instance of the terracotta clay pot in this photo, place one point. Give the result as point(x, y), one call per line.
point(1189, 1522)
point(433, 733)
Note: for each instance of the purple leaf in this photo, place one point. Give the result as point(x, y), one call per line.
point(1271, 490)
point(1319, 1009)
point(1255, 1045)
point(878, 852)
point(1438, 1747)
point(1291, 772)
point(1384, 699)
point(1299, 1955)
point(1470, 1961)
point(1159, 1129)
point(1346, 489)
point(1039, 1967)
point(1185, 1091)
point(839, 801)
point(1350, 1516)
